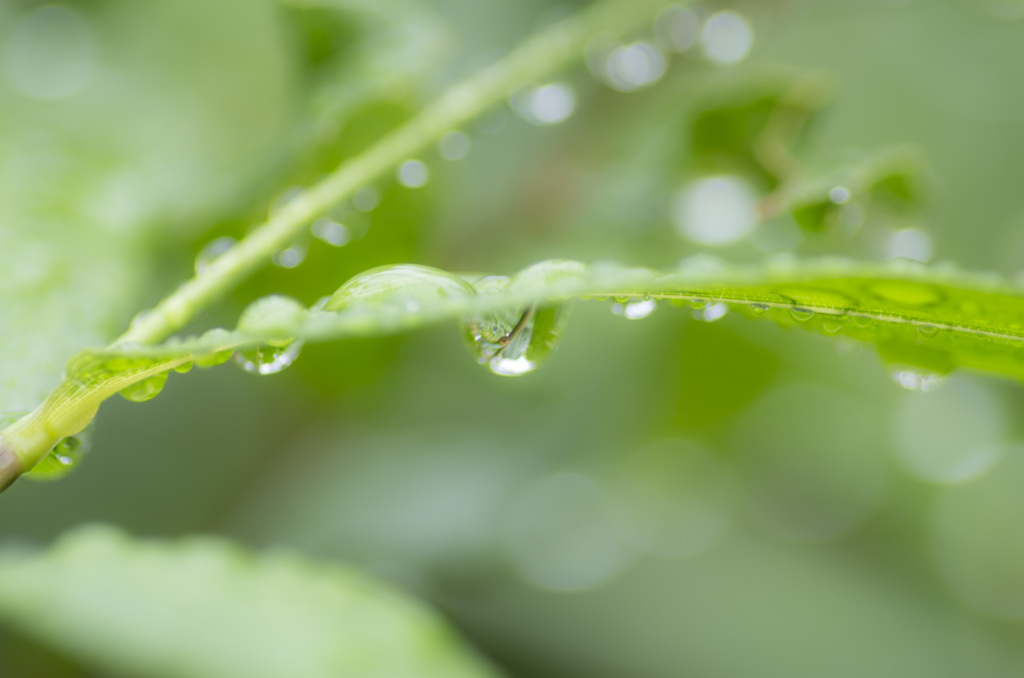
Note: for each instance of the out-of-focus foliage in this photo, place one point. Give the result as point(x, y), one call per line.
point(690, 494)
point(118, 603)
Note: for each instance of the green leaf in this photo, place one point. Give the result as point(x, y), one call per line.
point(203, 608)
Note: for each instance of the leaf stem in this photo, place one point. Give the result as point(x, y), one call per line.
point(539, 56)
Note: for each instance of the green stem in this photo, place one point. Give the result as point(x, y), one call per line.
point(73, 404)
point(538, 57)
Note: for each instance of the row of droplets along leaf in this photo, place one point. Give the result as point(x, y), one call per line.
point(924, 321)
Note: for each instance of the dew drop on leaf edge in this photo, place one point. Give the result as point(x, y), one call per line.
point(266, 359)
point(65, 456)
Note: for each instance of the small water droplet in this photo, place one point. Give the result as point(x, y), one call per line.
point(546, 105)
point(636, 308)
point(758, 309)
point(413, 174)
point(144, 390)
point(928, 330)
point(454, 145)
point(215, 337)
point(801, 315)
point(211, 251)
point(831, 325)
point(185, 368)
point(267, 359)
point(915, 379)
point(331, 232)
point(697, 303)
point(291, 257)
point(65, 456)
point(863, 321)
point(394, 287)
point(711, 312)
point(366, 199)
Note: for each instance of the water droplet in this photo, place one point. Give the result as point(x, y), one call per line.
point(677, 28)
point(395, 287)
point(801, 315)
point(635, 66)
point(413, 174)
point(454, 145)
point(218, 336)
point(915, 378)
point(758, 309)
point(267, 359)
point(50, 53)
point(515, 342)
point(211, 251)
point(366, 199)
point(66, 455)
point(185, 368)
point(831, 325)
point(928, 330)
point(635, 309)
point(144, 390)
point(863, 321)
point(546, 105)
point(331, 232)
point(273, 318)
point(726, 38)
point(716, 210)
point(711, 312)
point(697, 303)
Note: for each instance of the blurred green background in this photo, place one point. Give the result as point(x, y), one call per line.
point(663, 498)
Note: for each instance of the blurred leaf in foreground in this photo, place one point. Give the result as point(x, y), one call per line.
point(204, 609)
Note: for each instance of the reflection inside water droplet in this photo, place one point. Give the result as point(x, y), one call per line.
point(711, 312)
point(635, 309)
point(267, 359)
point(801, 315)
point(915, 379)
point(758, 309)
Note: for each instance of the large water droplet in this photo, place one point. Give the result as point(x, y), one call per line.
point(267, 359)
point(144, 390)
point(915, 378)
point(515, 342)
point(215, 337)
point(63, 458)
point(211, 251)
point(635, 309)
point(403, 288)
point(758, 309)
